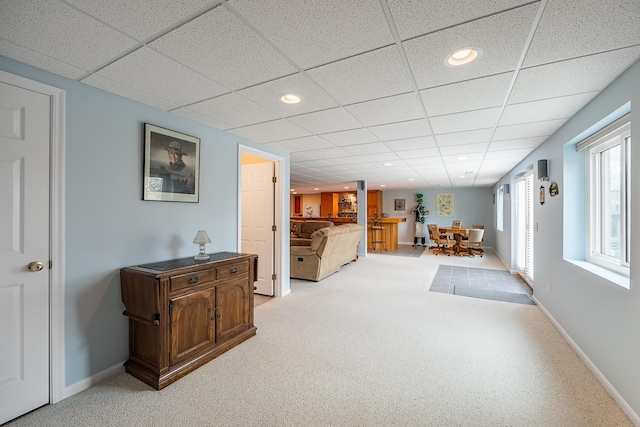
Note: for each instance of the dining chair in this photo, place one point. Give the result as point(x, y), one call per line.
point(442, 242)
point(473, 245)
point(457, 223)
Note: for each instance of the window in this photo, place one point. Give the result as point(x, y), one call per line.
point(608, 169)
point(524, 225)
point(500, 209)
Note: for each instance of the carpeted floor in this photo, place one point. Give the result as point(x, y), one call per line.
point(403, 250)
point(497, 285)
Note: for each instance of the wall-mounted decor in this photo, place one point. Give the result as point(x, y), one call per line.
point(444, 204)
point(400, 204)
point(553, 189)
point(171, 165)
point(542, 195)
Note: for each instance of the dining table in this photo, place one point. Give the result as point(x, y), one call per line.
point(457, 235)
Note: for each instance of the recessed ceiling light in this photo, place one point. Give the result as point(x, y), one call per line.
point(462, 158)
point(462, 56)
point(346, 188)
point(290, 98)
point(387, 164)
point(411, 179)
point(293, 189)
point(315, 189)
point(461, 176)
point(383, 185)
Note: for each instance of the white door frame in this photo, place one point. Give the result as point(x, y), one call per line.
point(56, 229)
point(281, 285)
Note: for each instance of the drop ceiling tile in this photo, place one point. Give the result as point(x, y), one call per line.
point(511, 144)
point(479, 147)
point(387, 110)
point(409, 16)
point(501, 38)
point(40, 60)
point(351, 162)
point(296, 157)
point(528, 130)
point(519, 153)
point(268, 94)
point(333, 120)
point(201, 118)
point(62, 32)
point(128, 92)
point(221, 47)
point(370, 148)
point(484, 92)
point(572, 29)
point(469, 137)
point(350, 137)
point(169, 79)
point(411, 143)
point(363, 77)
point(141, 19)
point(426, 162)
point(328, 153)
point(271, 131)
point(569, 77)
point(402, 130)
point(546, 109)
point(317, 32)
point(471, 120)
point(379, 157)
point(301, 144)
point(233, 109)
point(417, 154)
point(314, 163)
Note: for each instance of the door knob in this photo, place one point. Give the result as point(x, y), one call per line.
point(35, 266)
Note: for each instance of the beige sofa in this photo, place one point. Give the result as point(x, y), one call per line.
point(304, 229)
point(330, 249)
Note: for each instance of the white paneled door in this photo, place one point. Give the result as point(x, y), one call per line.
point(24, 250)
point(258, 212)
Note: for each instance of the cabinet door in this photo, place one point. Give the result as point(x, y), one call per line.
point(192, 324)
point(232, 308)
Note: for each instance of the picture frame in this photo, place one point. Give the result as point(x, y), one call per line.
point(444, 205)
point(171, 165)
point(400, 204)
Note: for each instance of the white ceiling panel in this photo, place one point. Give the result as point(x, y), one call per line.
point(528, 130)
point(371, 74)
point(410, 15)
point(301, 144)
point(314, 98)
point(546, 109)
point(169, 79)
point(61, 31)
point(569, 77)
point(469, 137)
point(571, 29)
point(411, 143)
point(363, 77)
point(402, 130)
point(500, 53)
point(326, 121)
point(350, 137)
point(198, 117)
point(221, 47)
point(317, 32)
point(271, 131)
point(39, 60)
point(387, 110)
point(471, 120)
point(484, 92)
point(140, 19)
point(119, 89)
point(233, 109)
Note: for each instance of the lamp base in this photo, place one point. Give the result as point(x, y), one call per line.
point(200, 257)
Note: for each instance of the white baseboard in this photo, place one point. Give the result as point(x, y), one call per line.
point(92, 380)
point(635, 419)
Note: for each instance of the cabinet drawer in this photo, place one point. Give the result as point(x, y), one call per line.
point(191, 279)
point(233, 270)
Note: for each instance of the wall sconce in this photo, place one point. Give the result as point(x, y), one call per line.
point(543, 170)
point(201, 239)
point(505, 189)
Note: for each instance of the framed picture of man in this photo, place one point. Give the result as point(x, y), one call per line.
point(171, 165)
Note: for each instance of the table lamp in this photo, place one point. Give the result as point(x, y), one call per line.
point(201, 239)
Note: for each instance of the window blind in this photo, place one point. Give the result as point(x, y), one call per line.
point(607, 132)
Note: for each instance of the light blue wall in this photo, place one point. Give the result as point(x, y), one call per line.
point(471, 205)
point(602, 318)
point(108, 226)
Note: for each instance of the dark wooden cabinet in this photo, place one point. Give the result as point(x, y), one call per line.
point(183, 313)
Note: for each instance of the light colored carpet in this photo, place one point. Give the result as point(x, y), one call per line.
point(369, 346)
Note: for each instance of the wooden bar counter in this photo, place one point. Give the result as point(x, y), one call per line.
point(390, 225)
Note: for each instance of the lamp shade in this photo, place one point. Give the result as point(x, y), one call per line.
point(201, 237)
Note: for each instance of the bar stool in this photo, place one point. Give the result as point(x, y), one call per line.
point(378, 232)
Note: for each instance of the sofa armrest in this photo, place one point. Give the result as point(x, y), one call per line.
point(301, 251)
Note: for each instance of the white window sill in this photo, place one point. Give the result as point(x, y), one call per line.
point(611, 276)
